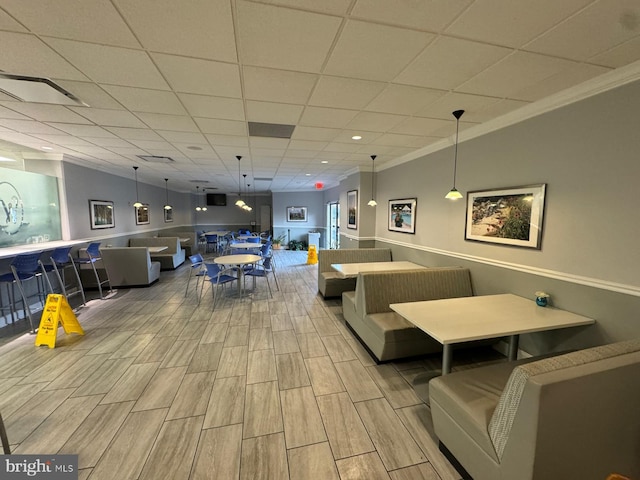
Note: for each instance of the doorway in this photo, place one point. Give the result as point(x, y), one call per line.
point(333, 225)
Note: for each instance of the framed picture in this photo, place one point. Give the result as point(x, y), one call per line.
point(142, 214)
point(402, 215)
point(296, 214)
point(168, 215)
point(101, 214)
point(352, 209)
point(507, 216)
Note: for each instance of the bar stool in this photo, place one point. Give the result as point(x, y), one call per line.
point(23, 268)
point(93, 255)
point(60, 259)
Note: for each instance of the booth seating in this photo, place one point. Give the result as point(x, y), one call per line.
point(191, 246)
point(384, 332)
point(169, 259)
point(130, 266)
point(573, 415)
point(330, 283)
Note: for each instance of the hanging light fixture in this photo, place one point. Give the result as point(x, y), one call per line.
point(454, 194)
point(239, 202)
point(198, 207)
point(138, 204)
point(372, 202)
point(166, 188)
point(247, 207)
point(204, 202)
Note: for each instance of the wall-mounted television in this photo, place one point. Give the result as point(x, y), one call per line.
point(217, 199)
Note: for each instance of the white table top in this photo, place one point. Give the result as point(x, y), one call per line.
point(350, 270)
point(184, 239)
point(246, 245)
point(237, 259)
point(244, 237)
point(158, 249)
point(455, 320)
point(220, 233)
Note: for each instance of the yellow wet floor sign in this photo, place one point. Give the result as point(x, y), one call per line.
point(312, 256)
point(56, 310)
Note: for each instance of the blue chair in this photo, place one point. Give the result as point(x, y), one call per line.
point(243, 231)
point(253, 239)
point(24, 267)
point(212, 241)
point(93, 255)
point(60, 259)
point(263, 269)
point(197, 265)
point(216, 276)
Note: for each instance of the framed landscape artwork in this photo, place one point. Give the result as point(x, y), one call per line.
point(101, 214)
point(352, 209)
point(296, 214)
point(507, 216)
point(402, 215)
point(142, 214)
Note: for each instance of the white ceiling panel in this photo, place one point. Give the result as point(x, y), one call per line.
point(112, 118)
point(221, 127)
point(420, 126)
point(307, 145)
point(624, 54)
point(28, 126)
point(448, 62)
point(374, 122)
point(267, 112)
point(148, 101)
point(335, 7)
point(314, 133)
point(134, 133)
point(444, 106)
point(204, 29)
point(82, 130)
point(178, 123)
point(62, 139)
point(9, 113)
point(8, 23)
point(509, 23)
point(90, 93)
point(277, 85)
point(227, 140)
point(363, 47)
point(345, 92)
point(213, 107)
point(46, 112)
point(394, 139)
point(326, 117)
point(74, 19)
point(279, 144)
point(205, 77)
point(403, 99)
point(110, 65)
point(109, 142)
point(284, 38)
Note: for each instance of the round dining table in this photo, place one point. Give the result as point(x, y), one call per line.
point(238, 261)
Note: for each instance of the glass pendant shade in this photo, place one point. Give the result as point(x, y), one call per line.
point(454, 194)
point(137, 203)
point(166, 187)
point(372, 202)
point(239, 203)
point(198, 208)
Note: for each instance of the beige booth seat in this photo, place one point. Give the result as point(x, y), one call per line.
point(190, 246)
point(129, 266)
point(562, 417)
point(330, 282)
point(169, 259)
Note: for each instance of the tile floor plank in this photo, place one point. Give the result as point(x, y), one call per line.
point(323, 375)
point(292, 371)
point(193, 395)
point(218, 454)
point(264, 458)
point(261, 367)
point(395, 388)
point(233, 362)
point(132, 383)
point(312, 462)
point(357, 381)
point(161, 389)
point(226, 403)
point(262, 410)
point(367, 466)
point(302, 422)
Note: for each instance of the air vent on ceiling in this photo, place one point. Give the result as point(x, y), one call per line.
point(156, 159)
point(272, 130)
point(36, 89)
point(262, 179)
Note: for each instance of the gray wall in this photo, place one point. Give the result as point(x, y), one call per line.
point(316, 213)
point(587, 154)
point(229, 217)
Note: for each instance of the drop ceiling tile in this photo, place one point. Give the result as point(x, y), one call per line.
point(444, 106)
point(363, 47)
point(284, 38)
point(314, 133)
point(74, 19)
point(205, 77)
point(301, 154)
point(277, 85)
point(342, 147)
point(114, 118)
point(367, 137)
point(90, 93)
point(148, 101)
point(420, 126)
point(94, 151)
point(344, 93)
point(430, 15)
point(205, 152)
point(213, 107)
point(130, 151)
point(62, 139)
point(158, 121)
point(265, 142)
point(307, 145)
point(575, 38)
point(511, 24)
point(375, 122)
point(8, 23)
point(619, 56)
point(396, 140)
point(21, 139)
point(201, 29)
point(28, 126)
point(28, 55)
point(496, 110)
point(228, 140)
point(193, 138)
point(228, 154)
point(48, 113)
point(134, 133)
point(108, 142)
point(516, 72)
point(267, 112)
point(403, 99)
point(82, 130)
point(6, 112)
point(567, 78)
point(448, 62)
point(221, 127)
point(335, 7)
point(117, 66)
point(326, 117)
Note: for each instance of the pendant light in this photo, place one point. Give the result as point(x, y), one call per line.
point(198, 207)
point(247, 207)
point(138, 204)
point(372, 202)
point(204, 200)
point(454, 194)
point(166, 188)
point(239, 202)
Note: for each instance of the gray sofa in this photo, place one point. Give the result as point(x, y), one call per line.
point(330, 284)
point(385, 333)
point(169, 259)
point(129, 266)
point(568, 416)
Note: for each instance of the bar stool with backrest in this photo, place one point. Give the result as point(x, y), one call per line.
point(60, 259)
point(93, 255)
point(24, 267)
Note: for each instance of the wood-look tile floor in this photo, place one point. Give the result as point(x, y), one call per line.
point(160, 387)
